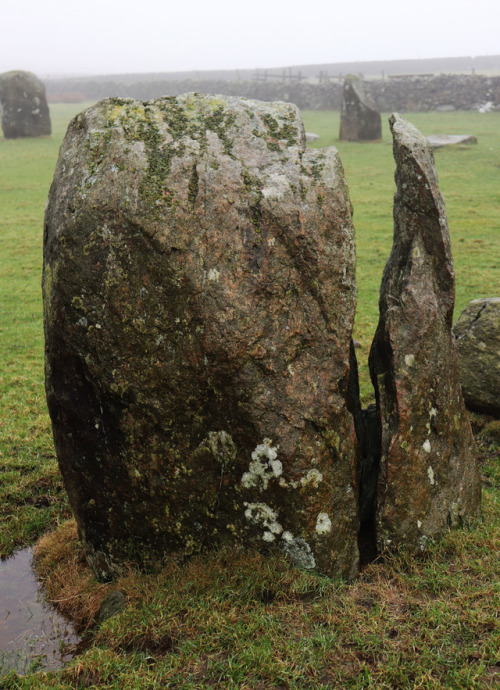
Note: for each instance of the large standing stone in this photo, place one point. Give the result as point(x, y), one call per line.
point(478, 342)
point(199, 296)
point(359, 118)
point(25, 112)
point(428, 478)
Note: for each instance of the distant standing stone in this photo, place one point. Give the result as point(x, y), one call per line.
point(199, 298)
point(477, 332)
point(25, 112)
point(359, 118)
point(428, 478)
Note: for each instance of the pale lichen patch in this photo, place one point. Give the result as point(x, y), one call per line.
point(323, 524)
point(264, 516)
point(277, 187)
point(430, 474)
point(263, 468)
point(260, 513)
point(275, 528)
point(426, 445)
point(423, 542)
point(409, 360)
point(299, 552)
point(313, 477)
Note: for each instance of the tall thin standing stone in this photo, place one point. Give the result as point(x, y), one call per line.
point(428, 476)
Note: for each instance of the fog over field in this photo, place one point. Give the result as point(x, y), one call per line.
point(123, 36)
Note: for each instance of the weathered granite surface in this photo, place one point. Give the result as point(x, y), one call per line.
point(428, 478)
point(25, 112)
point(359, 118)
point(199, 297)
point(477, 333)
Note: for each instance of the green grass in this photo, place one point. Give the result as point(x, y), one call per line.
point(238, 620)
point(31, 496)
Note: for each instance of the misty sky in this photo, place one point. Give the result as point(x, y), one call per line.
point(119, 36)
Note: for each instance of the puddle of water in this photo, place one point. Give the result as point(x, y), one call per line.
point(33, 636)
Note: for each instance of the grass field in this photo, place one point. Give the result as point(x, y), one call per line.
point(236, 620)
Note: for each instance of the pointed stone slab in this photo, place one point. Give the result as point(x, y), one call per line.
point(428, 477)
point(359, 118)
point(199, 294)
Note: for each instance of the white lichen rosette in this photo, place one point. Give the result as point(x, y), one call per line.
point(265, 467)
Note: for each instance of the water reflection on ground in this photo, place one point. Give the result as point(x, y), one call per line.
point(33, 636)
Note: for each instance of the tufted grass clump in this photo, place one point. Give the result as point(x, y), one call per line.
point(235, 619)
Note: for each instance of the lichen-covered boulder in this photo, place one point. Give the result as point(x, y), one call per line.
point(359, 118)
point(428, 477)
point(199, 297)
point(25, 112)
point(477, 333)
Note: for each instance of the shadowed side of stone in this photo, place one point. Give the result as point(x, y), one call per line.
point(359, 118)
point(25, 112)
point(367, 426)
point(199, 297)
point(428, 479)
point(477, 333)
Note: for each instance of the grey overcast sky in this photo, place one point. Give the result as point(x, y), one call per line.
point(122, 36)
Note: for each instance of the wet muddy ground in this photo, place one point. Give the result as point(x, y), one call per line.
point(33, 635)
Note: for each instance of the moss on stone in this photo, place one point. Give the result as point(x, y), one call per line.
point(286, 132)
point(193, 187)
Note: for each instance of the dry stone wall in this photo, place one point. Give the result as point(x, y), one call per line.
point(443, 92)
point(458, 92)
